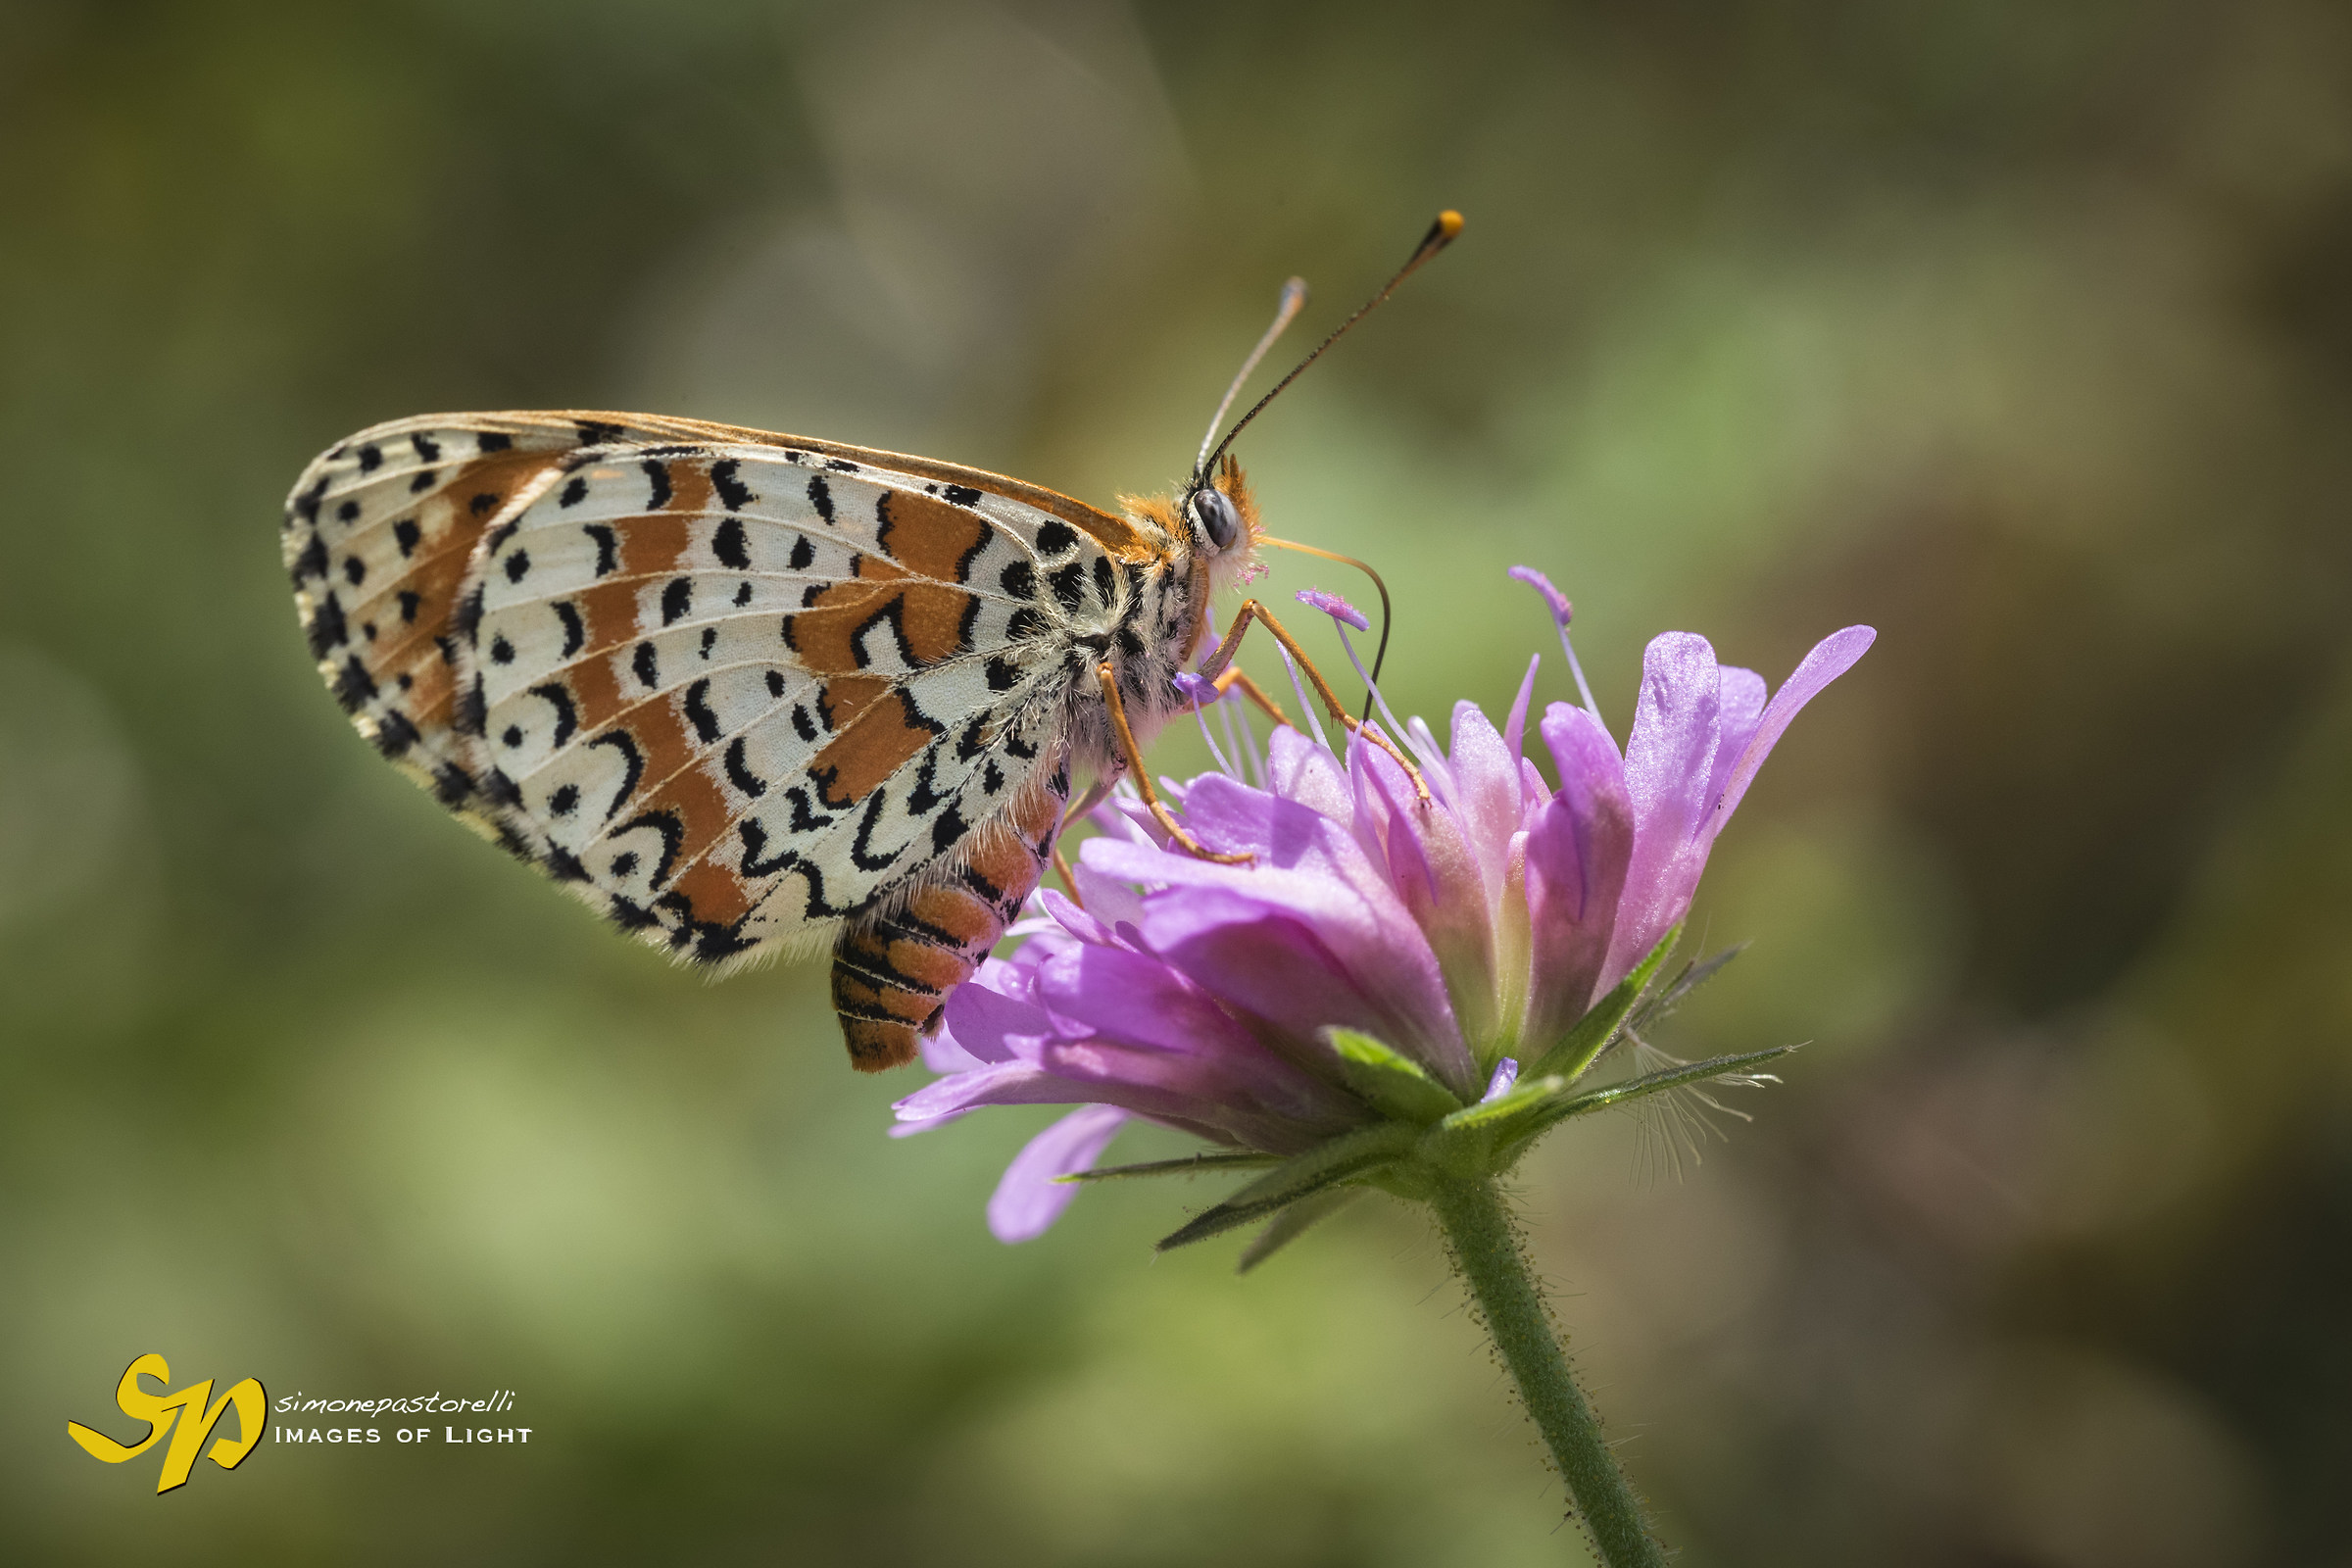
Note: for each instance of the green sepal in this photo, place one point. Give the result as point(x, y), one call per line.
point(1293, 1222)
point(1395, 1085)
point(1509, 1147)
point(1343, 1158)
point(1188, 1165)
point(1592, 1033)
point(1463, 1144)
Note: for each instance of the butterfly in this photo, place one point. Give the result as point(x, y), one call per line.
point(746, 692)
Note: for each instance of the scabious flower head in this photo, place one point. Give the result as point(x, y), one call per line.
point(1375, 943)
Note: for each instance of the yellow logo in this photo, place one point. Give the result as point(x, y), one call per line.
point(184, 1414)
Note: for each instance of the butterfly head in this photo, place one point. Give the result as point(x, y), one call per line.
point(1220, 522)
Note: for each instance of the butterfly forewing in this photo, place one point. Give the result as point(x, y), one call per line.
point(732, 688)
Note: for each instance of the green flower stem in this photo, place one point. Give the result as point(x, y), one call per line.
point(1486, 1248)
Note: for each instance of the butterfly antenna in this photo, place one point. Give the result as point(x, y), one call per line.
point(1440, 234)
point(1293, 297)
point(1386, 616)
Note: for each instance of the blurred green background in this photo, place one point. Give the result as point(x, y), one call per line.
point(2020, 332)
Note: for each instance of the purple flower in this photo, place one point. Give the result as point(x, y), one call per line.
point(1381, 965)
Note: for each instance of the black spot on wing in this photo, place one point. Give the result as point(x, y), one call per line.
point(567, 717)
point(394, 734)
point(1056, 538)
point(1069, 586)
point(649, 675)
point(1106, 581)
point(677, 598)
point(312, 563)
point(327, 629)
point(452, 785)
point(575, 491)
point(962, 495)
point(405, 534)
point(820, 496)
point(575, 634)
point(730, 546)
point(426, 446)
point(493, 441)
point(565, 800)
point(698, 711)
point(673, 833)
point(1019, 580)
point(632, 762)
point(354, 686)
point(740, 774)
point(607, 548)
point(657, 474)
point(733, 493)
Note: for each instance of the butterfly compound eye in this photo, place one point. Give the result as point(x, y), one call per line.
point(1213, 514)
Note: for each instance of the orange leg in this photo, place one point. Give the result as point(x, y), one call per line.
point(1108, 679)
point(1213, 666)
point(1095, 794)
point(1235, 675)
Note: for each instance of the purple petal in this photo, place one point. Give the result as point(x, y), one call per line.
point(1071, 919)
point(1577, 854)
point(1486, 777)
point(995, 1027)
point(1297, 769)
point(1279, 968)
point(1332, 604)
point(1830, 659)
point(1742, 699)
point(1669, 759)
point(1554, 600)
point(1028, 1200)
point(1514, 729)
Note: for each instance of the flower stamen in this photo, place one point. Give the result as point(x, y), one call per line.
point(1562, 611)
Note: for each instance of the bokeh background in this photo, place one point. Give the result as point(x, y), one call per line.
point(2020, 332)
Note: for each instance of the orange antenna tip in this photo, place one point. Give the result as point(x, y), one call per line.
point(1448, 224)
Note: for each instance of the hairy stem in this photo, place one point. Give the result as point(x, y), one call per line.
point(1486, 1250)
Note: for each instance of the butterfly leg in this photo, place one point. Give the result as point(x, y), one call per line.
point(1213, 667)
point(1235, 675)
point(1095, 794)
point(1108, 679)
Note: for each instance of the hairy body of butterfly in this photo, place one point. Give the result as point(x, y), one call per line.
point(745, 692)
